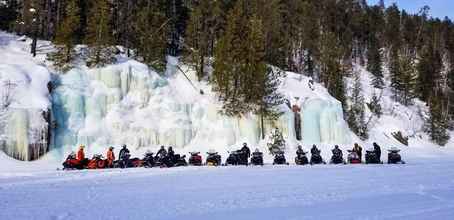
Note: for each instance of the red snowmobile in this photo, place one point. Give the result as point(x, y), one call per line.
point(97, 162)
point(72, 163)
point(195, 159)
point(353, 157)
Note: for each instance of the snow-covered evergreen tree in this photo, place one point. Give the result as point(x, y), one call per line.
point(276, 142)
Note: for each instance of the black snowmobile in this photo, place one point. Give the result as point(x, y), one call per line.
point(178, 161)
point(337, 158)
point(148, 160)
point(279, 158)
point(257, 158)
point(127, 162)
point(237, 157)
point(301, 158)
point(394, 157)
point(316, 158)
point(213, 159)
point(195, 159)
point(372, 157)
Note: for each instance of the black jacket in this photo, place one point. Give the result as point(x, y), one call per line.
point(162, 152)
point(315, 150)
point(246, 150)
point(123, 152)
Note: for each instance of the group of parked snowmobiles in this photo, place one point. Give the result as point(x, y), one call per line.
point(168, 158)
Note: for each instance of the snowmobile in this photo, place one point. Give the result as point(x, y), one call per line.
point(353, 157)
point(279, 158)
point(372, 157)
point(337, 159)
point(178, 161)
point(213, 159)
point(148, 160)
point(163, 161)
point(301, 158)
point(394, 156)
point(72, 163)
point(232, 159)
point(127, 162)
point(97, 162)
point(195, 159)
point(237, 157)
point(257, 158)
point(316, 158)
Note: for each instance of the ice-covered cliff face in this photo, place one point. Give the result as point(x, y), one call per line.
point(127, 103)
point(24, 101)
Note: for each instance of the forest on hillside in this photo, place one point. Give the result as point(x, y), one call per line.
point(235, 45)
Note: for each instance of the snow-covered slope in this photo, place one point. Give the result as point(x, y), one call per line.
point(409, 120)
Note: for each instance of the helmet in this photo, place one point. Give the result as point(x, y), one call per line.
point(257, 150)
point(162, 147)
point(335, 146)
point(82, 146)
point(124, 146)
point(299, 146)
point(244, 144)
point(111, 148)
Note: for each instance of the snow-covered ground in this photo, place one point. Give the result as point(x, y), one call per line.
point(421, 189)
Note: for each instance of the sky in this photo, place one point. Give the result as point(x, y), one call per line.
point(438, 8)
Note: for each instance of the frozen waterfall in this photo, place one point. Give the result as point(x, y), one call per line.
point(128, 103)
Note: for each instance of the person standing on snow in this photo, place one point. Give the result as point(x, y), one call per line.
point(246, 150)
point(377, 150)
point(123, 152)
point(81, 153)
point(110, 157)
point(358, 150)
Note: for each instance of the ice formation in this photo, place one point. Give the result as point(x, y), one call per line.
point(24, 107)
point(128, 103)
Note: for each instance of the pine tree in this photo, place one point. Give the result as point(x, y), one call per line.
point(394, 70)
point(355, 113)
point(66, 36)
point(407, 77)
point(234, 64)
point(266, 80)
point(438, 123)
point(331, 73)
point(99, 35)
point(151, 28)
point(201, 34)
point(429, 69)
point(374, 64)
point(375, 106)
point(276, 142)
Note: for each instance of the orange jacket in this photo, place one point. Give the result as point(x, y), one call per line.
point(110, 155)
point(80, 154)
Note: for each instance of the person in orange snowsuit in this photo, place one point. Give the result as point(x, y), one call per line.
point(110, 157)
point(81, 156)
point(80, 153)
